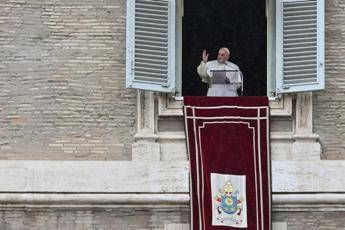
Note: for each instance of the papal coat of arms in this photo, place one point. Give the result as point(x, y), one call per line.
point(228, 200)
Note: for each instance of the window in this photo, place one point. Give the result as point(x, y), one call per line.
point(299, 45)
point(150, 45)
point(239, 25)
point(295, 44)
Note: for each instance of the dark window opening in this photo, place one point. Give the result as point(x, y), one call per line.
point(239, 25)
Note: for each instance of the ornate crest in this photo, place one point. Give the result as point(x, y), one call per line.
point(228, 200)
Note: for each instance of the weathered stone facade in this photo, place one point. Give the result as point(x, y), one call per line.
point(62, 74)
point(311, 220)
point(115, 219)
point(141, 218)
point(329, 104)
point(63, 97)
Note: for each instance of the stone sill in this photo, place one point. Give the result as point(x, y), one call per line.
point(154, 176)
point(172, 106)
point(170, 136)
point(281, 202)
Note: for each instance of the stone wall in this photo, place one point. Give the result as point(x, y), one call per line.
point(105, 219)
point(63, 97)
point(145, 219)
point(311, 220)
point(62, 70)
point(62, 81)
point(329, 104)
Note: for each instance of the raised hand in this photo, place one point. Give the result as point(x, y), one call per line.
point(204, 56)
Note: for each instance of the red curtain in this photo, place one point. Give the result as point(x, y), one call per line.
point(228, 137)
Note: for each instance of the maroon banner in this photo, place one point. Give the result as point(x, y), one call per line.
point(228, 144)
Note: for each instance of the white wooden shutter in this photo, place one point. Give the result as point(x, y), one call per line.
point(150, 61)
point(299, 45)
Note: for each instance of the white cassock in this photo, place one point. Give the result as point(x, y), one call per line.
point(234, 80)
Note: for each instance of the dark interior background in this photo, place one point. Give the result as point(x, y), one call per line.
point(239, 25)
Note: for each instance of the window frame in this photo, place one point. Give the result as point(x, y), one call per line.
point(274, 61)
point(270, 44)
point(280, 86)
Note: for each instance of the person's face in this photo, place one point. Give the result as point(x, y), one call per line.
point(222, 56)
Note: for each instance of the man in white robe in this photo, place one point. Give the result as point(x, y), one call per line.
point(207, 70)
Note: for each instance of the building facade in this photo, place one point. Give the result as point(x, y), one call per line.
point(79, 150)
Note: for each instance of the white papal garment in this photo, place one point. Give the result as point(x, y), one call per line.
point(221, 90)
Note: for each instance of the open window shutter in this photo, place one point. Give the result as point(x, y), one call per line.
point(150, 61)
point(299, 45)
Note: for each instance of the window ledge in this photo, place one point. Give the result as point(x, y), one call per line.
point(172, 106)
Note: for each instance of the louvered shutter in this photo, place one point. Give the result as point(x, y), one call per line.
point(299, 45)
point(150, 43)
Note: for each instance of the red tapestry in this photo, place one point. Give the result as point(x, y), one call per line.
point(228, 144)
